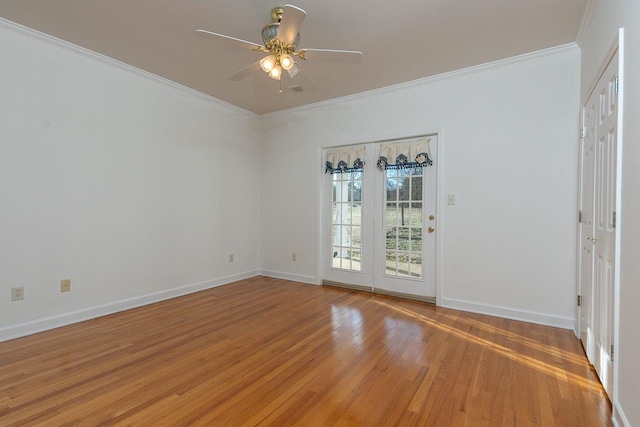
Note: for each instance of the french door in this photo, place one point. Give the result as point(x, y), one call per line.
point(380, 226)
point(598, 223)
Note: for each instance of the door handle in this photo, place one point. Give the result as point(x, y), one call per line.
point(431, 229)
point(593, 238)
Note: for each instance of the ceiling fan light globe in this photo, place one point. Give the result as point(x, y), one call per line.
point(268, 63)
point(276, 72)
point(286, 61)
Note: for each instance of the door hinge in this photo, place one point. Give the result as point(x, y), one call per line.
point(612, 352)
point(579, 216)
point(579, 300)
point(614, 220)
point(583, 132)
point(616, 85)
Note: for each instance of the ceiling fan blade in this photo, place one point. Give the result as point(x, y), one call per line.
point(309, 81)
point(249, 69)
point(290, 24)
point(228, 39)
point(346, 56)
point(299, 81)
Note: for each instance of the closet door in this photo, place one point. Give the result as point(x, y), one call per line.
point(588, 163)
point(598, 226)
point(604, 220)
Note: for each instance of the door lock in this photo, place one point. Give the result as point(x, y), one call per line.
point(431, 217)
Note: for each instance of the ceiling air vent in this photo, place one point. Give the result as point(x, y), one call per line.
point(296, 88)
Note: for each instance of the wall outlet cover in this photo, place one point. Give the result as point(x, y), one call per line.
point(17, 293)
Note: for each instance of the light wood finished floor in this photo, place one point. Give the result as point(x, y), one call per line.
point(271, 352)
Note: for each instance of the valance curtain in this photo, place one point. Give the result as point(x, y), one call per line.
point(401, 155)
point(344, 159)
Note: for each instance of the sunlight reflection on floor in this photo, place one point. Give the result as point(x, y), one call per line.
point(347, 320)
point(506, 352)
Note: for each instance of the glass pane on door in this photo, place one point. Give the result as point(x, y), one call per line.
point(403, 222)
point(347, 221)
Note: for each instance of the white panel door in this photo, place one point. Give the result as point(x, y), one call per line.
point(604, 222)
point(598, 227)
point(586, 228)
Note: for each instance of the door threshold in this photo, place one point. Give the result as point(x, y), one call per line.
point(371, 290)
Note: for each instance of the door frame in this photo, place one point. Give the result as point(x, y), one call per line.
point(617, 46)
point(321, 220)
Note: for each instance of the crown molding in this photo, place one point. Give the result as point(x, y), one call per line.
point(29, 32)
point(587, 17)
point(54, 41)
point(526, 57)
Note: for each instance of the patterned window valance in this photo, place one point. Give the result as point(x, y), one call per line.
point(344, 159)
point(400, 155)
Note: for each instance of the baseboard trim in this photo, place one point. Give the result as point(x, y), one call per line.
point(290, 276)
point(47, 323)
point(618, 417)
point(509, 313)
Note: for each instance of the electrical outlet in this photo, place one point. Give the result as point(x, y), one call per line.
point(230, 257)
point(17, 293)
point(294, 257)
point(65, 285)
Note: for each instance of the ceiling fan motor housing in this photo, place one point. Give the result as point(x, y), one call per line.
point(270, 31)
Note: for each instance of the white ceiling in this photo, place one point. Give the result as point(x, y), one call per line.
point(401, 40)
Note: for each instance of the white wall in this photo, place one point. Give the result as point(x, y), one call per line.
point(608, 17)
point(509, 149)
point(122, 183)
point(126, 185)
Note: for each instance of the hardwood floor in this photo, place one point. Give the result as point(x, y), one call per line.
point(271, 352)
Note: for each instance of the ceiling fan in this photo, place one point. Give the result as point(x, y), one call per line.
point(280, 42)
